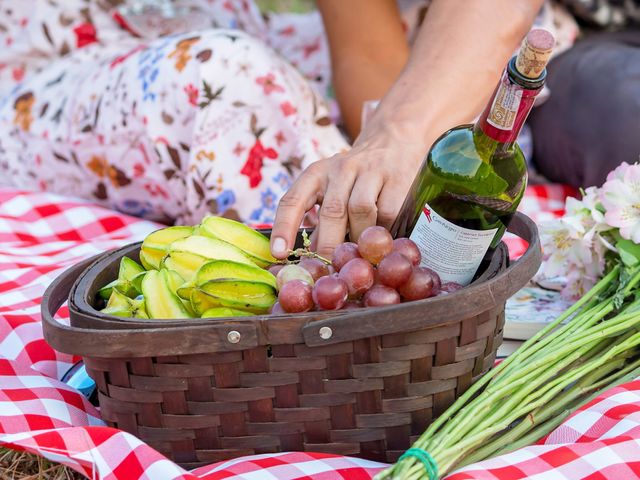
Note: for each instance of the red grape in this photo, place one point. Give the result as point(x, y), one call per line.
point(409, 249)
point(295, 297)
point(422, 283)
point(358, 275)
point(275, 268)
point(330, 293)
point(449, 287)
point(394, 270)
point(380, 295)
point(343, 253)
point(276, 309)
point(292, 272)
point(351, 304)
point(316, 267)
point(374, 243)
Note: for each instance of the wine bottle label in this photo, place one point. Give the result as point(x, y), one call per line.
point(451, 251)
point(506, 104)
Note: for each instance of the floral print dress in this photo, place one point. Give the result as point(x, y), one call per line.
point(213, 121)
point(211, 109)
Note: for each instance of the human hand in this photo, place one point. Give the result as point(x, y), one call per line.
point(363, 187)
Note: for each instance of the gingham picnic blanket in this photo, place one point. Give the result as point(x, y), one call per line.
point(42, 234)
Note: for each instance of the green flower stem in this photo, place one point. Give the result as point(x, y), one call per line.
point(609, 327)
point(446, 462)
point(457, 405)
point(533, 379)
point(579, 323)
point(584, 395)
point(463, 447)
point(534, 389)
point(550, 332)
point(514, 397)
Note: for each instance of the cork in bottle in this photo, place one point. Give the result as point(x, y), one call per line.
point(534, 53)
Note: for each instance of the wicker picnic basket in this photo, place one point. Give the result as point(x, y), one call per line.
point(361, 382)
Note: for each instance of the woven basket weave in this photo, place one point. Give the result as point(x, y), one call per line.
point(357, 382)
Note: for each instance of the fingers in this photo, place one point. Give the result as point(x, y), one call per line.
point(362, 204)
point(333, 219)
point(389, 203)
point(300, 198)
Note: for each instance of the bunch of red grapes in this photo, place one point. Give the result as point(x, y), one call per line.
point(376, 271)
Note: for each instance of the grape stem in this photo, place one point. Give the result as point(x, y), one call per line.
point(304, 252)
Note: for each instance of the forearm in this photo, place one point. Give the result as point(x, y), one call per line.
point(361, 79)
point(454, 66)
point(368, 49)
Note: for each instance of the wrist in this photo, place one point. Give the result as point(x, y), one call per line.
point(405, 118)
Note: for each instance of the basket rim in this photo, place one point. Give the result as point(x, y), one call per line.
point(79, 301)
point(124, 337)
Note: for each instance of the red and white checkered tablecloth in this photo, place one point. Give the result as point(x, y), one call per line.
point(41, 235)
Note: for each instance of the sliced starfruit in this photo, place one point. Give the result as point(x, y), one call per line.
point(226, 270)
point(129, 269)
point(160, 300)
point(155, 245)
point(219, 312)
point(117, 299)
point(137, 281)
point(105, 292)
point(242, 295)
point(120, 305)
point(184, 263)
point(186, 256)
point(175, 282)
point(254, 244)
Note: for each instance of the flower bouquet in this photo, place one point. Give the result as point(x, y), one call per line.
point(592, 346)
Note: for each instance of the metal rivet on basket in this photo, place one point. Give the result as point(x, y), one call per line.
point(233, 336)
point(325, 333)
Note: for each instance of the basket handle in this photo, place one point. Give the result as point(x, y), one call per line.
point(476, 298)
point(135, 342)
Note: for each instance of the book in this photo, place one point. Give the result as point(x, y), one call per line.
point(508, 347)
point(531, 309)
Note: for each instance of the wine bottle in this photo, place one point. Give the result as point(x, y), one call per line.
point(473, 178)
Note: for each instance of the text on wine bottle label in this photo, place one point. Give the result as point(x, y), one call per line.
point(453, 252)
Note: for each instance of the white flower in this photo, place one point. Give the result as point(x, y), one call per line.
point(574, 245)
point(620, 196)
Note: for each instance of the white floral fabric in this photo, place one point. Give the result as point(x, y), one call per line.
point(151, 118)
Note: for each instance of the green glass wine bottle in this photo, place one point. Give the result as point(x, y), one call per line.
point(474, 176)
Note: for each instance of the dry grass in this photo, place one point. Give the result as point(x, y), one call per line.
point(25, 466)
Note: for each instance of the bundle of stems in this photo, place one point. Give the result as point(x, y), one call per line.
point(592, 346)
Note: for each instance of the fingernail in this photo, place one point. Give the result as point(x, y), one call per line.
point(279, 246)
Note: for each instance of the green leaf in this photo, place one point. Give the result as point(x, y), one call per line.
point(629, 252)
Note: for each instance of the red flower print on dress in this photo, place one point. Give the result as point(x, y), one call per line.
point(280, 138)
point(156, 190)
point(287, 109)
point(268, 84)
point(130, 53)
point(311, 48)
point(17, 73)
point(287, 31)
point(192, 94)
point(238, 149)
point(253, 166)
point(138, 170)
point(85, 34)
